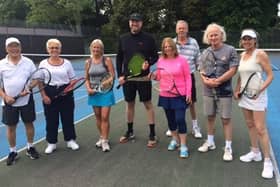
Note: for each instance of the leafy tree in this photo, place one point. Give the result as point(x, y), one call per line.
point(238, 14)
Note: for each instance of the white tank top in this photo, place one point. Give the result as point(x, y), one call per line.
point(246, 68)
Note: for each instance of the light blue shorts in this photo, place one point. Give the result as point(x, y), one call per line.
point(102, 99)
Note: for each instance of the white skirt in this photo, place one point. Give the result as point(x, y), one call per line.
point(259, 104)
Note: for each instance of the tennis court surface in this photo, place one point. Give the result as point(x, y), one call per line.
point(133, 164)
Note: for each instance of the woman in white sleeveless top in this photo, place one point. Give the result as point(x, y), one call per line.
point(254, 101)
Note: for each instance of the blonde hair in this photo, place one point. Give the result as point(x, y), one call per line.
point(171, 42)
point(99, 42)
point(206, 32)
point(53, 40)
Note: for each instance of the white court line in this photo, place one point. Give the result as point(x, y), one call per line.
point(42, 139)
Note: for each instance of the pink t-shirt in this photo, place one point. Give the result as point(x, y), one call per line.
point(176, 69)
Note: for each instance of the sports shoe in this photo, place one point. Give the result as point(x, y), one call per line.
point(98, 144)
point(267, 172)
point(105, 145)
point(184, 152)
point(13, 156)
point(32, 153)
point(51, 148)
point(196, 132)
point(251, 156)
point(227, 154)
point(172, 145)
point(72, 145)
point(127, 136)
point(206, 147)
point(168, 133)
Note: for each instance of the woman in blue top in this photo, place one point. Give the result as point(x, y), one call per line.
point(96, 66)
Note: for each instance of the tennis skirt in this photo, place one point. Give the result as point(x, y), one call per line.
point(259, 104)
point(172, 102)
point(102, 99)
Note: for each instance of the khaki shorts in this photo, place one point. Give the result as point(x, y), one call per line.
point(223, 106)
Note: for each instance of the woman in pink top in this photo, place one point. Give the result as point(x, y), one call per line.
point(172, 65)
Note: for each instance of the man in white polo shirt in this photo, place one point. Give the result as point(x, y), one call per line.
point(14, 71)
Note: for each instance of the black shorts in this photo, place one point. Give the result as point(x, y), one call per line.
point(10, 114)
point(194, 99)
point(144, 89)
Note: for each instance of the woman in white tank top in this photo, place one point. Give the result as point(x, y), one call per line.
point(256, 61)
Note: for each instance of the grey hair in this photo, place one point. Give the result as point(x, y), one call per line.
point(221, 28)
point(53, 40)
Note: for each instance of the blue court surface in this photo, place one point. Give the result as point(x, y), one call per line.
point(82, 111)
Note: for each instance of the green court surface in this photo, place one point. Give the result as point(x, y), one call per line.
point(133, 164)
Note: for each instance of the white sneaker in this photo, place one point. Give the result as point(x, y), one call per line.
point(105, 145)
point(251, 156)
point(168, 133)
point(206, 147)
point(98, 144)
point(51, 148)
point(227, 154)
point(267, 172)
point(196, 132)
point(72, 145)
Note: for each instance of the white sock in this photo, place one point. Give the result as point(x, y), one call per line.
point(210, 139)
point(13, 149)
point(29, 145)
point(255, 150)
point(194, 123)
point(267, 160)
point(228, 144)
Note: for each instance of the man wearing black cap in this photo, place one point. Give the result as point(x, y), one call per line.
point(134, 43)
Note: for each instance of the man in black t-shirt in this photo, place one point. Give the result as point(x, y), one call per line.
point(134, 43)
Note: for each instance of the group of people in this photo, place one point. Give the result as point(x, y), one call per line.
point(181, 56)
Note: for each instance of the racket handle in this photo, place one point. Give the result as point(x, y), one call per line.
point(118, 87)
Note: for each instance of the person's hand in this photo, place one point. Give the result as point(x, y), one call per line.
point(121, 80)
point(9, 100)
point(46, 100)
point(145, 65)
point(188, 100)
point(236, 94)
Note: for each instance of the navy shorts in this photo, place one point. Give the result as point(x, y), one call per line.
point(10, 114)
point(172, 102)
point(144, 89)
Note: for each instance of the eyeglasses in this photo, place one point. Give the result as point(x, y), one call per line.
point(54, 48)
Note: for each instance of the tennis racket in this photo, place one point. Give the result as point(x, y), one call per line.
point(36, 82)
point(253, 85)
point(105, 85)
point(166, 83)
point(134, 68)
point(208, 69)
point(74, 85)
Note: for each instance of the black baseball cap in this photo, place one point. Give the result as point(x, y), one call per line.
point(136, 17)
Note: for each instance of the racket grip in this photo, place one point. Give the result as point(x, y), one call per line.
point(118, 87)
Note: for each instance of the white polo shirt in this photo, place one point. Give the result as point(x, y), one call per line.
point(60, 74)
point(13, 77)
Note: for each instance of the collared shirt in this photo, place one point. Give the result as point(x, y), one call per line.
point(190, 50)
point(14, 76)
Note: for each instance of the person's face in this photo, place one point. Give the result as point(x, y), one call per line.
point(215, 36)
point(135, 26)
point(96, 49)
point(182, 30)
point(13, 49)
point(248, 42)
point(168, 50)
point(54, 49)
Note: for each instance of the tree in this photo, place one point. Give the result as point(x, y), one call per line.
point(238, 14)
